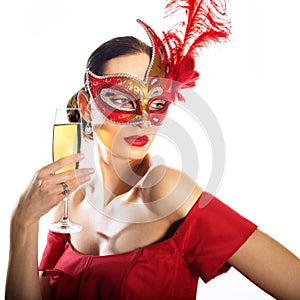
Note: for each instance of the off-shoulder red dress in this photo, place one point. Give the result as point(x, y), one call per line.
point(207, 237)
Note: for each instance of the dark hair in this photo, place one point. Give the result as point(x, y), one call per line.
point(113, 48)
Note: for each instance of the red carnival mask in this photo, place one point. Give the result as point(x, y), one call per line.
point(126, 99)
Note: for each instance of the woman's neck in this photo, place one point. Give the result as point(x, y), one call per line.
point(120, 175)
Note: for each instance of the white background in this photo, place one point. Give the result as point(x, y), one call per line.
point(251, 84)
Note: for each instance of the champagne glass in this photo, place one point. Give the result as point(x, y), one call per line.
point(66, 141)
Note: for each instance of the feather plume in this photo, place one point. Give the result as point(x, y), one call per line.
point(201, 22)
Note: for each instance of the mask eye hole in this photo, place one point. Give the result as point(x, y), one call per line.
point(117, 99)
point(158, 104)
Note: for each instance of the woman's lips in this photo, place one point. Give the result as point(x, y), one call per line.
point(137, 140)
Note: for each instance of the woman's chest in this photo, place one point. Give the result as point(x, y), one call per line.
point(103, 235)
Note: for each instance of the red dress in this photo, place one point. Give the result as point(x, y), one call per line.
point(207, 237)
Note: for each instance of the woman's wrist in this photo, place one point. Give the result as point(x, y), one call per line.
point(21, 220)
point(20, 226)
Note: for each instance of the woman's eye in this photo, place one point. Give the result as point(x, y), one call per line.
point(117, 99)
point(158, 104)
point(122, 102)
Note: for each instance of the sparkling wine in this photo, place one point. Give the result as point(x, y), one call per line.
point(66, 141)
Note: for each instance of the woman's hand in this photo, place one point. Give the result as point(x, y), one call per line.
point(43, 193)
point(46, 190)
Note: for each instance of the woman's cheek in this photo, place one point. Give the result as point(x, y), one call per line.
point(104, 137)
point(109, 137)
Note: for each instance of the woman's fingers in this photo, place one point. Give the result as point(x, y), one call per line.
point(51, 186)
point(59, 164)
point(70, 175)
point(49, 178)
point(72, 178)
point(46, 189)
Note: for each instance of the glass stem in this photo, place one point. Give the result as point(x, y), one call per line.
point(65, 217)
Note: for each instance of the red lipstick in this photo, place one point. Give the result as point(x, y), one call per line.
point(137, 140)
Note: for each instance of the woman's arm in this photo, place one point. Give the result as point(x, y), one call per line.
point(269, 265)
point(43, 193)
point(22, 276)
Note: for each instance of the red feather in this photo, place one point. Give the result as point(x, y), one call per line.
point(201, 22)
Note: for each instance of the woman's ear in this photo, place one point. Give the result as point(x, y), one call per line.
point(84, 105)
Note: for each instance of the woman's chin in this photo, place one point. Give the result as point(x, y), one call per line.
point(125, 152)
point(136, 154)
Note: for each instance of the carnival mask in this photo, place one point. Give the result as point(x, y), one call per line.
point(126, 99)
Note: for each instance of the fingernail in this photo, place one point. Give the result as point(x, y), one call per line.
point(91, 171)
point(80, 155)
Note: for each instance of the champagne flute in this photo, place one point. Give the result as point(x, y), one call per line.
point(66, 141)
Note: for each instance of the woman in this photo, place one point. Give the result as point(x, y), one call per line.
point(152, 251)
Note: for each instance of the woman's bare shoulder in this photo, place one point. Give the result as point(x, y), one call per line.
point(163, 183)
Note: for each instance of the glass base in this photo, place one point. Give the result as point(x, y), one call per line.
point(65, 226)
